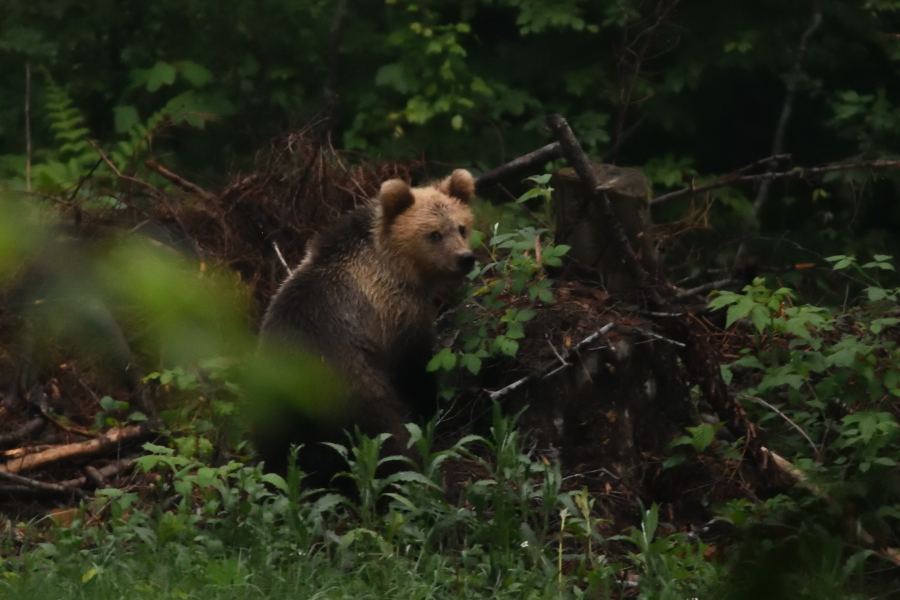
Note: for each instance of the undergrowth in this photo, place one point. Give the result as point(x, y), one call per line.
point(234, 531)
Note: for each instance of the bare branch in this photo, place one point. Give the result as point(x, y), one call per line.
point(177, 179)
point(22, 433)
point(797, 172)
point(786, 418)
point(706, 287)
point(579, 161)
point(530, 161)
point(544, 373)
point(786, 110)
point(40, 486)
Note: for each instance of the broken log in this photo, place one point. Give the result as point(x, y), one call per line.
point(112, 439)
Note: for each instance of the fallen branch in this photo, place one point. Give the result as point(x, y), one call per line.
point(544, 373)
point(177, 179)
point(799, 477)
point(22, 433)
point(707, 287)
point(111, 470)
point(110, 440)
point(795, 172)
point(579, 161)
point(40, 486)
point(528, 162)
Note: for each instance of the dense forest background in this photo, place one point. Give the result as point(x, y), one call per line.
point(157, 158)
point(683, 90)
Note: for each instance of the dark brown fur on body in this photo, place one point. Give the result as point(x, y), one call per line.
point(362, 301)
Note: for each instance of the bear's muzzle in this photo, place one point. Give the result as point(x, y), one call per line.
point(465, 262)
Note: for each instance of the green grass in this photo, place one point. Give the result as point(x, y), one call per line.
point(236, 532)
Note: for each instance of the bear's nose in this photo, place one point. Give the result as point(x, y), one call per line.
point(466, 262)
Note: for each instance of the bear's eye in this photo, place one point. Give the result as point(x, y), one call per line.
point(435, 236)
point(462, 230)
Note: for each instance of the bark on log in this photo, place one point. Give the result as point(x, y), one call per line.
point(580, 224)
point(518, 166)
point(110, 440)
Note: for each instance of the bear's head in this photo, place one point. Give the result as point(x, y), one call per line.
point(425, 231)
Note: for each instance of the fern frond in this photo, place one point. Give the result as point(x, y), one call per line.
point(68, 124)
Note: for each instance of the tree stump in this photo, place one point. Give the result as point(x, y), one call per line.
point(623, 398)
point(579, 224)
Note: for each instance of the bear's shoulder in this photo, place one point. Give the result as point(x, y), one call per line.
point(348, 236)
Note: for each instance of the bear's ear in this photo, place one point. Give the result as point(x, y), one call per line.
point(395, 197)
point(460, 185)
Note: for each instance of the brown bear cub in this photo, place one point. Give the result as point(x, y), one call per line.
point(362, 301)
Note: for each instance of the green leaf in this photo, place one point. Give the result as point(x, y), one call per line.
point(275, 480)
point(159, 75)
point(392, 76)
point(195, 74)
point(110, 405)
point(760, 318)
point(739, 310)
point(445, 360)
point(878, 325)
point(509, 347)
point(702, 436)
point(876, 293)
point(526, 314)
point(514, 331)
point(540, 179)
point(843, 264)
point(532, 193)
point(470, 362)
point(125, 118)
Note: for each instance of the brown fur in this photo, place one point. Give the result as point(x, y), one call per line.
point(362, 299)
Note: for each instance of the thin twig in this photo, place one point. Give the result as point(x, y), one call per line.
point(333, 53)
point(27, 126)
point(545, 373)
point(785, 417)
point(121, 175)
point(111, 470)
point(155, 192)
point(558, 355)
point(798, 172)
point(34, 484)
point(281, 258)
point(661, 338)
point(178, 179)
point(762, 196)
point(786, 110)
point(706, 287)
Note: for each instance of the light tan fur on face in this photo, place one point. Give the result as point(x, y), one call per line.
point(405, 237)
